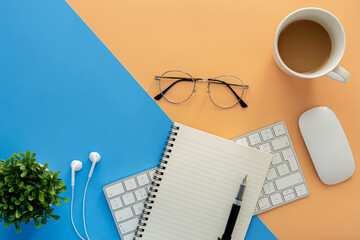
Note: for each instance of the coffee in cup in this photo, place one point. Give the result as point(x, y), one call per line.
point(310, 43)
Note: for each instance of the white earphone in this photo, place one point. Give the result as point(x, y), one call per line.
point(76, 165)
point(94, 157)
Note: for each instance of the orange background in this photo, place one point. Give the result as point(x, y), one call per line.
point(207, 38)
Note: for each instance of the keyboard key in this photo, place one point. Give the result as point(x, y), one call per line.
point(142, 179)
point(265, 147)
point(128, 226)
point(300, 190)
point(269, 188)
point(128, 198)
point(276, 159)
point(283, 169)
point(114, 190)
point(276, 199)
point(264, 203)
point(280, 143)
point(289, 197)
point(288, 181)
point(140, 194)
point(116, 203)
point(152, 174)
point(289, 156)
point(138, 208)
point(129, 237)
point(254, 139)
point(123, 214)
point(288, 191)
point(242, 141)
point(279, 130)
point(267, 134)
point(130, 184)
point(271, 174)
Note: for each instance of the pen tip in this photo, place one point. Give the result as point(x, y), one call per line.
point(245, 179)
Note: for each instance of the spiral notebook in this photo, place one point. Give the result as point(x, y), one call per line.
point(196, 184)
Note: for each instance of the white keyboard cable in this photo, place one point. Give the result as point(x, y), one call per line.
point(72, 220)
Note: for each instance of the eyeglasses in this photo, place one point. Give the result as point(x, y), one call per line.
point(225, 91)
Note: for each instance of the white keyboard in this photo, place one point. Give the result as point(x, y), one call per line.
point(284, 183)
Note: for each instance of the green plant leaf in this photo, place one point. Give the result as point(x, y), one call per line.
point(44, 221)
point(9, 160)
point(20, 155)
point(32, 161)
point(24, 174)
point(33, 155)
point(56, 175)
point(23, 167)
point(12, 207)
point(21, 184)
point(60, 184)
point(46, 165)
point(11, 190)
point(11, 217)
point(17, 202)
point(30, 187)
point(6, 206)
point(17, 214)
point(65, 199)
point(57, 203)
point(55, 217)
point(41, 197)
point(6, 223)
point(27, 154)
point(37, 223)
point(30, 207)
point(13, 199)
point(18, 229)
point(15, 156)
point(1, 193)
point(30, 197)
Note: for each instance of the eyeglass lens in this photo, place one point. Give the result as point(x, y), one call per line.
point(225, 90)
point(176, 86)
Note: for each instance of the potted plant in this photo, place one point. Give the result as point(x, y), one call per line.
point(28, 191)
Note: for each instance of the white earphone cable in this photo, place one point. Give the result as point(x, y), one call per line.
point(84, 208)
point(72, 220)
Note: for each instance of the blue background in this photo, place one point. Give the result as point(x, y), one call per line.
point(63, 95)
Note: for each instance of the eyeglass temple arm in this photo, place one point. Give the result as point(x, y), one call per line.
point(160, 95)
point(242, 103)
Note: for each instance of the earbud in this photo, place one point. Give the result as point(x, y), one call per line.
point(76, 165)
point(94, 157)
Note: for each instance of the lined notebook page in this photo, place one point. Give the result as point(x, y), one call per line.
point(199, 185)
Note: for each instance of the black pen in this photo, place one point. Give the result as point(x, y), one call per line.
point(235, 209)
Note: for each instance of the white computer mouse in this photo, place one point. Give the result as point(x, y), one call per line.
point(327, 144)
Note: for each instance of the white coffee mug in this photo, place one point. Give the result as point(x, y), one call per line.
point(333, 26)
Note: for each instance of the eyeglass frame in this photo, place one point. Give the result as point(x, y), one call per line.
point(195, 80)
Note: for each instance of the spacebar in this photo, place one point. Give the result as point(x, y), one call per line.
point(289, 181)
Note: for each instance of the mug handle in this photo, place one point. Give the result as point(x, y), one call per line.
point(339, 74)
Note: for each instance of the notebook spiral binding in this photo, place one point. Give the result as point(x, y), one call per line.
point(156, 183)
